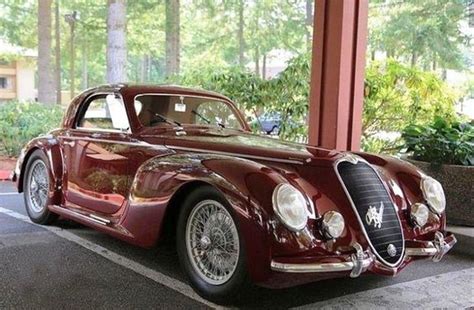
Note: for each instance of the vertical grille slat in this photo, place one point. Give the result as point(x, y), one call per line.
point(365, 190)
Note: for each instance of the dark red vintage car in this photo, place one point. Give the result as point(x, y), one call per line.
point(144, 162)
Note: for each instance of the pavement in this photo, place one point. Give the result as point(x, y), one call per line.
point(70, 266)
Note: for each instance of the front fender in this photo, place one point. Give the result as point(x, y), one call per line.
point(49, 145)
point(240, 181)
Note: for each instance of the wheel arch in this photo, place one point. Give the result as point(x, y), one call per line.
point(50, 148)
point(161, 184)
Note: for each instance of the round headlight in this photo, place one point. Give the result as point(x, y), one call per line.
point(433, 194)
point(419, 214)
point(289, 205)
point(333, 224)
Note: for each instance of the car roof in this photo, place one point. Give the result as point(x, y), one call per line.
point(136, 89)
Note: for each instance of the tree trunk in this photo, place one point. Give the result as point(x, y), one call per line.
point(264, 66)
point(172, 37)
point(85, 71)
point(309, 23)
point(57, 45)
point(116, 41)
point(240, 34)
point(414, 58)
point(257, 61)
point(46, 84)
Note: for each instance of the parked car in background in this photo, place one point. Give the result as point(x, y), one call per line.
point(144, 162)
point(269, 122)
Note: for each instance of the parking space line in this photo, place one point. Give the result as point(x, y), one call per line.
point(9, 194)
point(151, 274)
point(443, 291)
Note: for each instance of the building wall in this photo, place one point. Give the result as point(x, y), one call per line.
point(25, 86)
point(7, 80)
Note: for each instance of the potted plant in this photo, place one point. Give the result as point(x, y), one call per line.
point(445, 151)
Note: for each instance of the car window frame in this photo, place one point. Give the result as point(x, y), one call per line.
point(234, 109)
point(81, 111)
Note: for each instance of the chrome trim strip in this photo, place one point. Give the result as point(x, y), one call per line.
point(323, 267)
point(287, 161)
point(80, 215)
point(435, 249)
point(354, 159)
point(142, 144)
point(106, 221)
point(421, 251)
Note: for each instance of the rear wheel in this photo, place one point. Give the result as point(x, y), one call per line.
point(210, 247)
point(36, 188)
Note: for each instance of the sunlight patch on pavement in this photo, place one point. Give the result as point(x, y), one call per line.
point(452, 290)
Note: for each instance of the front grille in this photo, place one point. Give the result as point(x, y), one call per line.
point(367, 191)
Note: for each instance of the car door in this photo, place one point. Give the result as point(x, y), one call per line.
point(97, 153)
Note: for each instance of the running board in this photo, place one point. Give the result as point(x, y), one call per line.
point(91, 217)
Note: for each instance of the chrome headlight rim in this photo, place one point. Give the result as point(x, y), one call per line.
point(426, 183)
point(417, 210)
point(277, 207)
point(328, 217)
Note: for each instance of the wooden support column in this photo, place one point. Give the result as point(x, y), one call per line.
point(337, 74)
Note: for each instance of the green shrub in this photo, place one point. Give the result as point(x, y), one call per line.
point(20, 122)
point(441, 142)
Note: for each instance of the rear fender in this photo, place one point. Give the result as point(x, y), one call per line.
point(49, 145)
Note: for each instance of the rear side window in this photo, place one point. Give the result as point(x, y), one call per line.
point(105, 112)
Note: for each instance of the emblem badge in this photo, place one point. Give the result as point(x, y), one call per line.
point(391, 250)
point(374, 216)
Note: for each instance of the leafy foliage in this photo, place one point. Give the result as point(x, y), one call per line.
point(286, 94)
point(397, 95)
point(441, 142)
point(20, 122)
point(424, 33)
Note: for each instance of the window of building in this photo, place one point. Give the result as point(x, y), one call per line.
point(3, 82)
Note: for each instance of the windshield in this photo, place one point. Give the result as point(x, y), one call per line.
point(163, 110)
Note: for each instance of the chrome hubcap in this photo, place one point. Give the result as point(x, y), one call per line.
point(212, 242)
point(37, 189)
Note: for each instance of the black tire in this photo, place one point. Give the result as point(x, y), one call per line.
point(43, 215)
point(239, 284)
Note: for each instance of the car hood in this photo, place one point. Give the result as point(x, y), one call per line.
point(243, 144)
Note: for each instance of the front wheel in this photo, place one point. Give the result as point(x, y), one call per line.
point(36, 188)
point(209, 246)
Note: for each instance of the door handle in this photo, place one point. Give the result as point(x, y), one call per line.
point(96, 135)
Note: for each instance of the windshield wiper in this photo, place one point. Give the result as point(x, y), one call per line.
point(205, 119)
point(165, 119)
point(201, 117)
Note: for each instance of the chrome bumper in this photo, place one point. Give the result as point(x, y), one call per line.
point(436, 248)
point(359, 263)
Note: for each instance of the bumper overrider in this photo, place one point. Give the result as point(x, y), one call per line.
point(361, 260)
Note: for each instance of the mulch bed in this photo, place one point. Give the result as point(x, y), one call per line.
point(7, 165)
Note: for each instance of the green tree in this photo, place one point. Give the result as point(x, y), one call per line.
point(424, 33)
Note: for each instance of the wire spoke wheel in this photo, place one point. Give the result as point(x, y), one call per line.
point(212, 242)
point(37, 188)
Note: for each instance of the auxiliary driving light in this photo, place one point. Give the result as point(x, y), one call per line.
point(419, 214)
point(332, 224)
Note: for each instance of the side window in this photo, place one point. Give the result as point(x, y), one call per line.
point(105, 112)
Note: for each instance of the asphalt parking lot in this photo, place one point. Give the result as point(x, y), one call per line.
point(71, 266)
